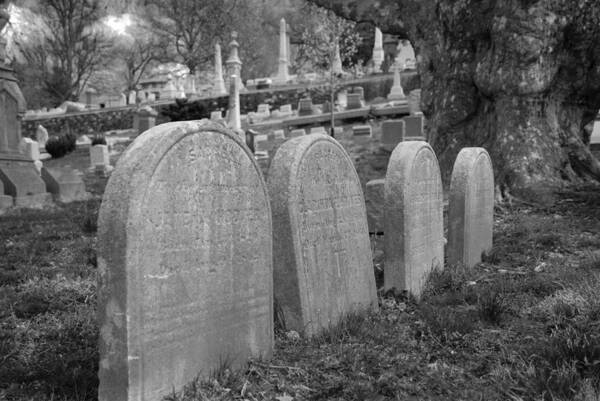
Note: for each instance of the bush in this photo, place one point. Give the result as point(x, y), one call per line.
point(57, 147)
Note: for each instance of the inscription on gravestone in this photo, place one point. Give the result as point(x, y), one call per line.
point(323, 267)
point(185, 261)
point(413, 224)
point(471, 207)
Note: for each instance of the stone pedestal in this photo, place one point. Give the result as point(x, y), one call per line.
point(18, 174)
point(64, 184)
point(282, 71)
point(397, 93)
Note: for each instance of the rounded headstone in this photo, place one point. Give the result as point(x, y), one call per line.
point(323, 268)
point(184, 261)
point(413, 217)
point(471, 207)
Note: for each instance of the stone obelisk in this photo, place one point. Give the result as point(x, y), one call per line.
point(378, 54)
point(20, 182)
point(336, 64)
point(282, 72)
point(234, 120)
point(219, 84)
point(396, 93)
point(233, 63)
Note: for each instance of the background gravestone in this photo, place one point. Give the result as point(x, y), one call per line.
point(471, 207)
point(392, 133)
point(413, 225)
point(184, 260)
point(323, 267)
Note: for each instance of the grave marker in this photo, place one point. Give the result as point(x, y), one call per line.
point(392, 133)
point(323, 268)
point(353, 101)
point(184, 261)
point(318, 130)
point(305, 107)
point(471, 207)
point(413, 225)
point(296, 133)
point(414, 126)
point(64, 184)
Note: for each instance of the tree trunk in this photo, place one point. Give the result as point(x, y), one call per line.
point(518, 77)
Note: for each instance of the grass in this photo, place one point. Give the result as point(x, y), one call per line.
point(522, 325)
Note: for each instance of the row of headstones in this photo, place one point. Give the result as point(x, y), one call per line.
point(195, 248)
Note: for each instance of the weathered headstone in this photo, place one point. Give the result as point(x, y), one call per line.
point(471, 207)
point(30, 148)
point(278, 134)
point(184, 261)
point(414, 101)
point(360, 91)
point(64, 184)
point(396, 92)
point(144, 119)
point(318, 130)
point(296, 133)
point(100, 159)
point(353, 101)
point(392, 133)
point(323, 267)
point(285, 110)
point(305, 107)
point(261, 143)
point(41, 136)
point(413, 225)
point(414, 126)
point(362, 131)
point(216, 115)
point(375, 201)
point(263, 109)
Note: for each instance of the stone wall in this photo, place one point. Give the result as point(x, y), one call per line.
point(96, 121)
point(85, 122)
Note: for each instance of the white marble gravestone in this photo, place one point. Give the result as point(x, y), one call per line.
point(184, 261)
point(413, 217)
point(470, 207)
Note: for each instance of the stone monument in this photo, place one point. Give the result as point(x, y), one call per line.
point(392, 133)
point(219, 84)
point(18, 174)
point(323, 268)
point(470, 207)
point(184, 261)
point(233, 111)
point(233, 63)
point(282, 71)
point(378, 54)
point(396, 93)
point(413, 225)
point(336, 64)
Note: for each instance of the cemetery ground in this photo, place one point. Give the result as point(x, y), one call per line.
point(524, 324)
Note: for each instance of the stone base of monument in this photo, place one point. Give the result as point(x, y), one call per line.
point(22, 181)
point(6, 202)
point(37, 201)
point(64, 184)
point(396, 94)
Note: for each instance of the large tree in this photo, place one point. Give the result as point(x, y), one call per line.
point(67, 47)
point(518, 77)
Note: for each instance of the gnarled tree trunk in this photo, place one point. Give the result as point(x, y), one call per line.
point(518, 77)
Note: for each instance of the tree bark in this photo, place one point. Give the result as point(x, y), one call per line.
point(518, 77)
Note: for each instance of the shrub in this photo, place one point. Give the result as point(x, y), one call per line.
point(71, 141)
point(57, 147)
